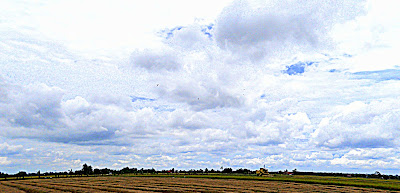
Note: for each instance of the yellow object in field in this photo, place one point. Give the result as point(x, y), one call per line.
point(262, 172)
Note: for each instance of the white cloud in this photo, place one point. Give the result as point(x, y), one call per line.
point(7, 149)
point(99, 27)
point(189, 120)
point(193, 37)
point(361, 125)
point(4, 161)
point(372, 159)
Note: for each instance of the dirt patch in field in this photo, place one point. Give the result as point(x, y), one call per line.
point(163, 184)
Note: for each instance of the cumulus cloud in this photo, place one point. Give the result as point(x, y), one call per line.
point(38, 111)
point(276, 130)
point(360, 125)
point(369, 158)
point(38, 105)
point(189, 120)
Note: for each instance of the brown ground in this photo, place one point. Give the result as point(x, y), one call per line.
point(160, 184)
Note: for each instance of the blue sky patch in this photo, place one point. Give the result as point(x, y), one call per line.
point(207, 30)
point(135, 98)
point(297, 68)
point(170, 32)
point(380, 75)
point(164, 108)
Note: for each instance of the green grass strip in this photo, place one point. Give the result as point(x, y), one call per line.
point(338, 181)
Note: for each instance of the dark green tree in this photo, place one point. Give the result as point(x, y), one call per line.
point(96, 171)
point(126, 170)
point(87, 170)
point(21, 174)
point(227, 170)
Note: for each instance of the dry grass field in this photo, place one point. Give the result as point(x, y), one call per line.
point(166, 184)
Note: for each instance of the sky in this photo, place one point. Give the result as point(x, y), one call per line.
point(312, 85)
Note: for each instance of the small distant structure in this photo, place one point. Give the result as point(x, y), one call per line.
point(262, 172)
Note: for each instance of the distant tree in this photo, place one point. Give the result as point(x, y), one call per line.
point(87, 170)
point(96, 171)
point(377, 174)
point(125, 170)
point(90, 170)
point(242, 171)
point(3, 175)
point(227, 170)
point(206, 171)
point(38, 173)
point(21, 174)
point(105, 171)
point(295, 170)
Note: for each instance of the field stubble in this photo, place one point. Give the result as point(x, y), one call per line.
point(166, 184)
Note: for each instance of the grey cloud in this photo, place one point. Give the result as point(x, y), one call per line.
point(257, 30)
point(37, 111)
point(3, 90)
point(202, 97)
point(156, 60)
point(40, 108)
point(34, 106)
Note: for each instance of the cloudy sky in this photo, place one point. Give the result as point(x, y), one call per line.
point(312, 85)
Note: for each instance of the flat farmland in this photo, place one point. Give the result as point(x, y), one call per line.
point(168, 184)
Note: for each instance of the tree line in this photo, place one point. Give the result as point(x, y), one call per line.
point(88, 170)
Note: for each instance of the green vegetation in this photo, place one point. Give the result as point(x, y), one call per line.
point(326, 180)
